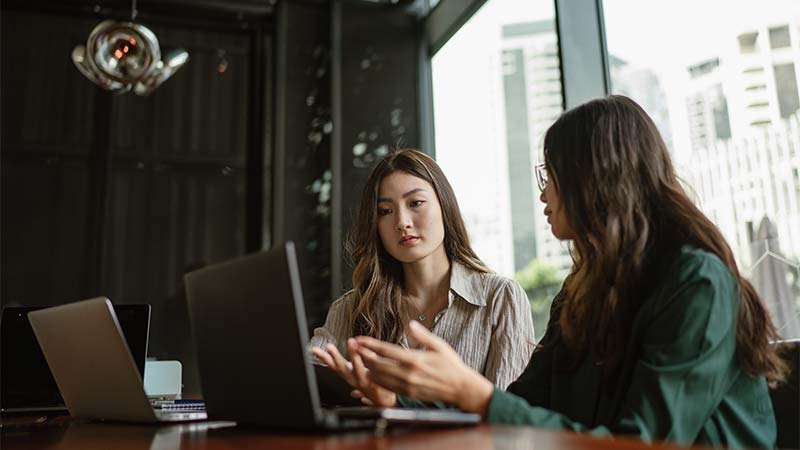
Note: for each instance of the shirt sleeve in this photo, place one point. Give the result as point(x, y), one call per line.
point(337, 328)
point(687, 365)
point(513, 340)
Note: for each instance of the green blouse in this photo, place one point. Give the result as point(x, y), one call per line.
point(679, 380)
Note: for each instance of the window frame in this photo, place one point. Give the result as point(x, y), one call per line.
point(582, 47)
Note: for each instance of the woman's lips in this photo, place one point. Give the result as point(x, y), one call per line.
point(408, 241)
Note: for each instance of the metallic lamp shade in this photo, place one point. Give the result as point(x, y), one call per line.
point(124, 56)
point(172, 61)
point(123, 51)
point(79, 58)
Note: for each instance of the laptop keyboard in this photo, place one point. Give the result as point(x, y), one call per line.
point(180, 405)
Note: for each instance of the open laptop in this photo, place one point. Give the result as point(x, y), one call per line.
point(26, 383)
point(249, 325)
point(92, 365)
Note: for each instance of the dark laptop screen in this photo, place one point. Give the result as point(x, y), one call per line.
point(25, 378)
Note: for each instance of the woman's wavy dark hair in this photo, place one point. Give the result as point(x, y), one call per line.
point(377, 276)
point(628, 211)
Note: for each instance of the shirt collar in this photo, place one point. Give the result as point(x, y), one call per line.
point(465, 283)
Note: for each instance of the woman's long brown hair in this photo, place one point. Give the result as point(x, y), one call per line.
point(628, 210)
point(377, 276)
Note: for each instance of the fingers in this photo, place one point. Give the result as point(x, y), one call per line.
point(358, 395)
point(337, 363)
point(384, 372)
point(389, 372)
point(424, 336)
point(418, 374)
point(322, 356)
point(359, 369)
point(389, 381)
point(371, 358)
point(338, 360)
point(368, 392)
point(384, 349)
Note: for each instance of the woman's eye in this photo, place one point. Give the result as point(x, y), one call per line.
point(384, 211)
point(417, 203)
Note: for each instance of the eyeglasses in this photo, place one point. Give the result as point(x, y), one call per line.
point(541, 176)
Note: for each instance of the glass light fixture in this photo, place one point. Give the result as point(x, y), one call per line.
point(125, 56)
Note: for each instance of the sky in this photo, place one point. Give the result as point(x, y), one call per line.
point(681, 32)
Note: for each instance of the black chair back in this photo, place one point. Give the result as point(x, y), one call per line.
point(786, 397)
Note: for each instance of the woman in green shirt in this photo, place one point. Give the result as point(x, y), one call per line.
point(654, 333)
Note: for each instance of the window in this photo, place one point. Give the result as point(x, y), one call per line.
point(708, 90)
point(779, 37)
point(496, 89)
point(748, 42)
point(786, 87)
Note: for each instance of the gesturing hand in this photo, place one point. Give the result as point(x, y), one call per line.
point(355, 374)
point(435, 374)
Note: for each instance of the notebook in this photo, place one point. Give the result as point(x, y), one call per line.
point(26, 384)
point(249, 324)
point(92, 365)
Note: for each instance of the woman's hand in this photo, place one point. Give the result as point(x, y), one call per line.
point(355, 374)
point(435, 374)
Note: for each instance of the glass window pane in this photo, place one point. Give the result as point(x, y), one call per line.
point(727, 105)
point(496, 89)
point(779, 37)
point(786, 88)
point(748, 42)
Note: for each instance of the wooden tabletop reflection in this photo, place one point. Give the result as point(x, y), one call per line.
point(70, 435)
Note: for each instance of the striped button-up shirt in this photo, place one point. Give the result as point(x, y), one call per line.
point(487, 322)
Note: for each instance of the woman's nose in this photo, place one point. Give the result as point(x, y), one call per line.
point(403, 221)
point(542, 198)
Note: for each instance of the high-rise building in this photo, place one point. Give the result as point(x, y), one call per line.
point(763, 87)
point(533, 101)
point(520, 159)
point(643, 85)
point(740, 181)
point(743, 116)
point(707, 105)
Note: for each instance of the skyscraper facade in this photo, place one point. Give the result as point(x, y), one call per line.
point(533, 101)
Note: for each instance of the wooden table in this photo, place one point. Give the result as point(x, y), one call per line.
point(69, 435)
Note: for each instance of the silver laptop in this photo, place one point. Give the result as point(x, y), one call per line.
point(92, 365)
point(26, 383)
point(249, 325)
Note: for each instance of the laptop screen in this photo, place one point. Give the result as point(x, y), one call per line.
point(25, 378)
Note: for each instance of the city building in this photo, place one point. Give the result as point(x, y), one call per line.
point(742, 112)
point(533, 101)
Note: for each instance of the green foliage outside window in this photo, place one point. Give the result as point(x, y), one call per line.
point(541, 282)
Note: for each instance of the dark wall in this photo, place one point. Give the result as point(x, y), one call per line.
point(347, 93)
point(303, 145)
point(377, 96)
point(120, 195)
point(46, 161)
